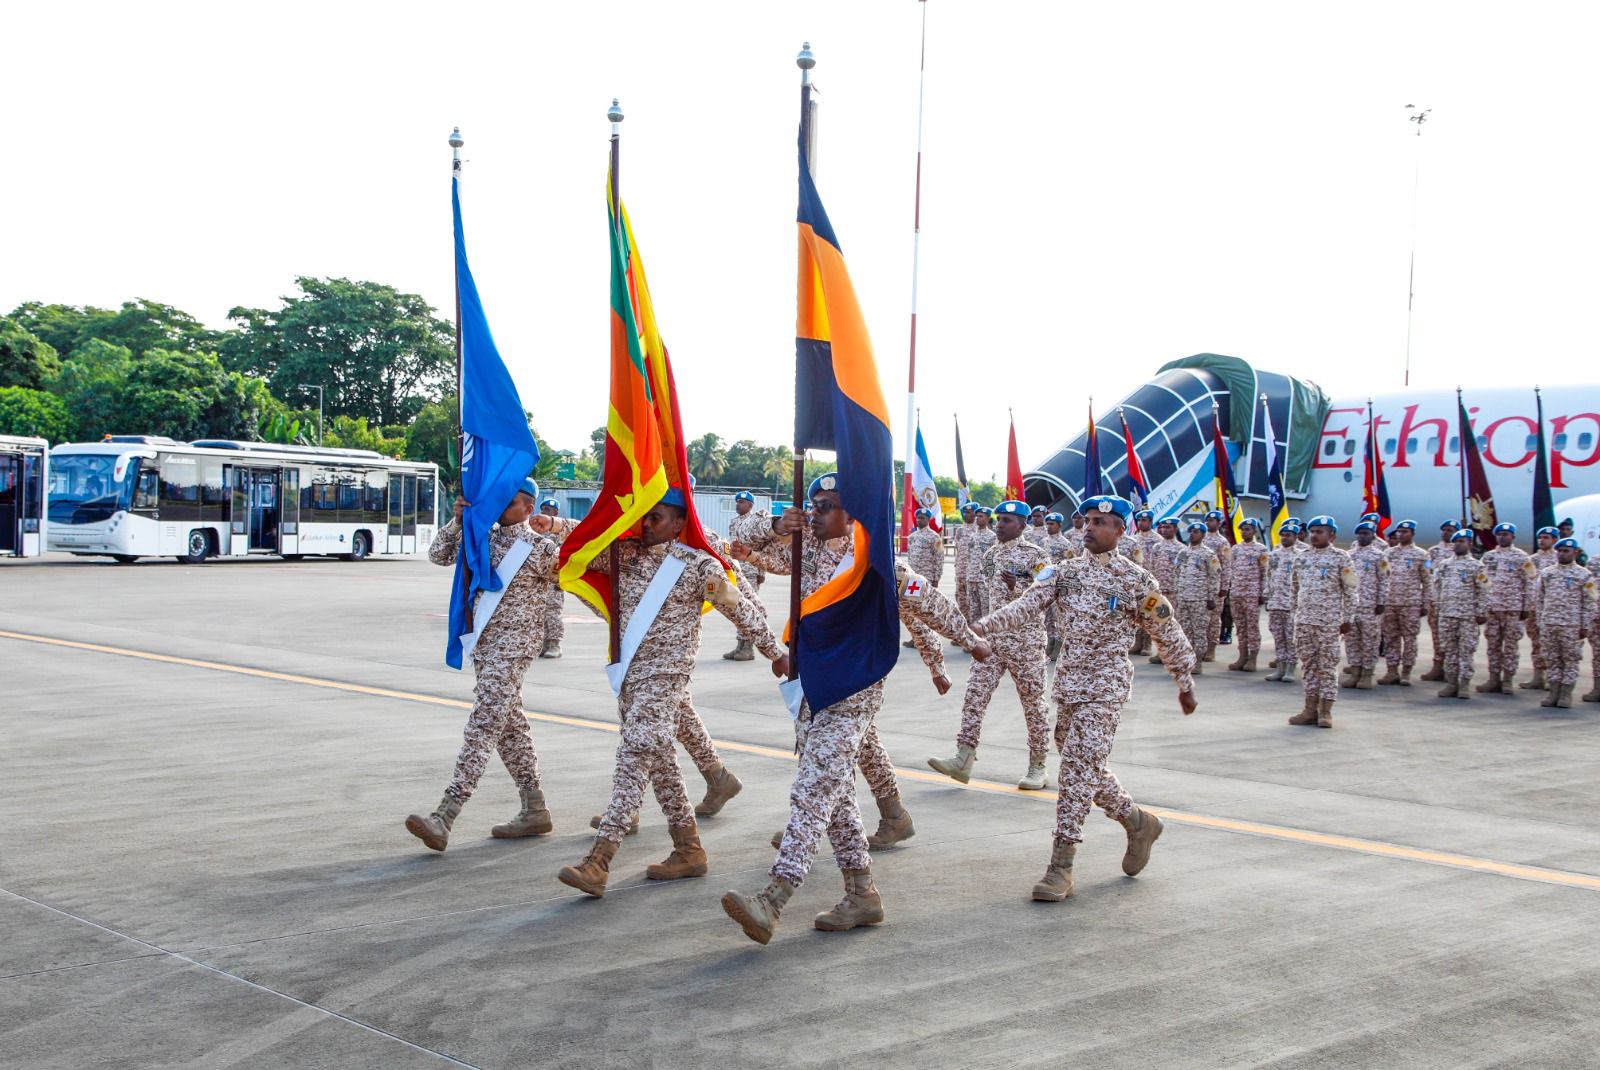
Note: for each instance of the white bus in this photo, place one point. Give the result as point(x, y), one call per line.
point(135, 496)
point(24, 473)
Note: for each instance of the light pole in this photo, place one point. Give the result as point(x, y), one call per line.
point(318, 389)
point(1418, 116)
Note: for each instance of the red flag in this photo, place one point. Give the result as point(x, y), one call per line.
point(1138, 486)
point(1013, 467)
point(1375, 488)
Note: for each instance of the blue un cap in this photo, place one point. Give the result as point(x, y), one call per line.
point(1252, 521)
point(826, 481)
point(1409, 525)
point(1324, 521)
point(1374, 517)
point(1195, 525)
point(744, 496)
point(674, 495)
point(925, 514)
point(549, 501)
point(1545, 531)
point(1288, 525)
point(985, 510)
point(1056, 518)
point(1122, 508)
point(1215, 514)
point(1461, 533)
point(1365, 525)
point(1011, 507)
point(1449, 525)
point(528, 487)
point(1038, 509)
point(970, 507)
point(1511, 529)
point(1567, 544)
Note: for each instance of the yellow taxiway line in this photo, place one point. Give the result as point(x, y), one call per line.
point(1251, 828)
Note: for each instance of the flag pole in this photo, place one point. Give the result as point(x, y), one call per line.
point(808, 137)
point(906, 516)
point(456, 142)
point(1461, 456)
point(614, 114)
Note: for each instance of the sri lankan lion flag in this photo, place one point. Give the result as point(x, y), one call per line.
point(849, 631)
point(644, 452)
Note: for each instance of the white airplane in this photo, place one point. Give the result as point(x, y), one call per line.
point(1321, 443)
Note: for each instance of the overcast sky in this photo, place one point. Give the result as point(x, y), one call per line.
point(1105, 187)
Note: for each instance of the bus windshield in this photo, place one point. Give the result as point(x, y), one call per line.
point(84, 488)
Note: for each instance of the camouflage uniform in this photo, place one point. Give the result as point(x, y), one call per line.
point(1566, 606)
point(656, 687)
point(1324, 598)
point(1402, 613)
point(1058, 548)
point(1103, 598)
point(1161, 561)
point(1461, 596)
point(1218, 543)
point(925, 554)
point(1074, 537)
point(1130, 547)
point(1280, 603)
point(1199, 578)
point(958, 544)
point(509, 643)
point(1035, 535)
point(979, 541)
point(1244, 578)
point(1542, 559)
point(1594, 632)
point(1019, 652)
point(1512, 577)
point(743, 529)
point(1371, 564)
point(1438, 554)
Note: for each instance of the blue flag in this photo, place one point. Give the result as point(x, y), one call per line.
point(498, 451)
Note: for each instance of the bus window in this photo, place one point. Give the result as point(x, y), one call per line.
point(425, 507)
point(180, 489)
point(375, 503)
point(146, 492)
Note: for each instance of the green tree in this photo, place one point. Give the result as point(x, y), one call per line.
point(432, 437)
point(597, 445)
point(33, 413)
point(779, 468)
point(92, 383)
point(139, 325)
point(59, 326)
point(378, 353)
point(344, 432)
point(708, 458)
point(25, 359)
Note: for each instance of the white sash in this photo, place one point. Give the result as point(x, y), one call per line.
point(791, 691)
point(489, 601)
point(644, 615)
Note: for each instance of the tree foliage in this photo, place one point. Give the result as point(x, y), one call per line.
point(33, 413)
point(139, 325)
point(376, 352)
point(25, 359)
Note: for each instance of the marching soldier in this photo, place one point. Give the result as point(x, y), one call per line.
point(960, 537)
point(1161, 561)
point(1008, 569)
point(924, 549)
point(1280, 601)
point(1144, 541)
point(1592, 695)
point(1406, 605)
point(979, 541)
point(508, 639)
point(1199, 579)
point(747, 518)
point(1512, 576)
point(1371, 563)
point(1543, 557)
point(667, 582)
point(1103, 596)
point(1245, 578)
point(1461, 597)
point(1566, 606)
point(1075, 536)
point(1220, 546)
point(554, 628)
point(1035, 532)
point(1438, 554)
point(1324, 600)
point(1059, 548)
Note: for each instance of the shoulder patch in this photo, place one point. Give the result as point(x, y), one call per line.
point(912, 586)
point(1155, 607)
point(1383, 565)
point(1347, 576)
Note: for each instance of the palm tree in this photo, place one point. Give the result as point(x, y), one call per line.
point(708, 458)
point(779, 467)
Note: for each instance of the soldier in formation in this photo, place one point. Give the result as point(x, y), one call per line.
point(1143, 540)
point(979, 540)
point(554, 628)
point(1103, 597)
point(1406, 603)
point(1075, 534)
point(1035, 531)
point(1008, 570)
point(1593, 694)
point(1059, 548)
point(1461, 597)
point(1245, 579)
point(925, 549)
point(1161, 561)
point(1324, 600)
point(1512, 575)
point(1199, 580)
point(1565, 605)
point(1543, 557)
point(1280, 601)
point(747, 518)
point(960, 537)
point(1219, 545)
point(1371, 564)
point(1438, 554)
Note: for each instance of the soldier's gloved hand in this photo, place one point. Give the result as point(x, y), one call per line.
point(780, 667)
point(1187, 702)
point(941, 684)
point(738, 551)
point(981, 652)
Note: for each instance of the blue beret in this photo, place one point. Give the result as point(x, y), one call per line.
point(1567, 544)
point(1288, 525)
point(1296, 521)
point(1167, 520)
point(1056, 518)
point(1543, 531)
point(925, 514)
point(1194, 526)
point(1144, 514)
point(549, 501)
point(1011, 507)
point(1038, 509)
point(1461, 533)
point(1374, 517)
point(1324, 521)
point(826, 481)
point(1511, 529)
point(1449, 525)
point(1366, 525)
point(1409, 525)
point(674, 496)
point(969, 507)
point(1252, 521)
point(1107, 503)
point(744, 496)
point(529, 487)
point(1567, 521)
point(1215, 514)
point(985, 510)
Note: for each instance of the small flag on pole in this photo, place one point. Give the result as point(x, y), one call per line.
point(923, 489)
point(1375, 486)
point(1544, 507)
point(1013, 466)
point(962, 497)
point(1277, 504)
point(1092, 482)
point(1477, 498)
point(1138, 486)
point(1227, 496)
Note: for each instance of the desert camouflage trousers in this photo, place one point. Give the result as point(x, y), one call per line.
point(1247, 626)
point(1020, 655)
point(1401, 624)
point(1501, 635)
point(693, 736)
point(650, 710)
point(497, 723)
point(1563, 651)
point(1361, 641)
point(554, 629)
point(1281, 621)
point(1458, 643)
point(823, 799)
point(1085, 732)
point(1195, 620)
point(1318, 647)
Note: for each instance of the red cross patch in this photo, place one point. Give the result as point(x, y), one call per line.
point(914, 589)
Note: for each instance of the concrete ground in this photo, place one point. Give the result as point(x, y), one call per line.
point(206, 866)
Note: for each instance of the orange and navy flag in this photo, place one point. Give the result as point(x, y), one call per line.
point(635, 475)
point(1227, 495)
point(849, 631)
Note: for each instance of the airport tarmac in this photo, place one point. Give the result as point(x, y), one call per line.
point(205, 771)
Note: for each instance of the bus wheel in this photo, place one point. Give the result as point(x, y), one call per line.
point(294, 557)
point(360, 547)
point(125, 559)
point(199, 548)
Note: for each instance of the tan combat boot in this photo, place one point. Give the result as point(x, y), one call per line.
point(1307, 715)
point(1450, 689)
point(532, 820)
point(1436, 673)
point(1143, 829)
point(1034, 780)
point(1277, 671)
point(777, 837)
point(688, 858)
point(894, 824)
point(1564, 697)
point(1364, 680)
point(1237, 664)
point(1551, 694)
point(1537, 683)
point(434, 829)
point(1288, 671)
point(758, 914)
point(1250, 663)
point(721, 785)
point(1405, 675)
point(590, 875)
point(552, 649)
point(1056, 884)
point(741, 651)
point(1348, 678)
point(1325, 713)
point(1389, 678)
point(1593, 695)
point(1155, 659)
point(1490, 686)
point(1211, 652)
point(958, 768)
point(860, 905)
point(1462, 690)
point(633, 826)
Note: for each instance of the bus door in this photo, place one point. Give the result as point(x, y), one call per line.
point(289, 512)
point(408, 520)
point(10, 504)
point(264, 509)
point(396, 514)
